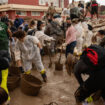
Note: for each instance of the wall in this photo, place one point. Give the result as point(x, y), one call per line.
point(12, 15)
point(25, 2)
point(66, 3)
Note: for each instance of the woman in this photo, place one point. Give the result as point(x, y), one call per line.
point(40, 33)
point(94, 9)
point(27, 49)
point(101, 38)
point(70, 38)
point(32, 28)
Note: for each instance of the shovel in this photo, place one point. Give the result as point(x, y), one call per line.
point(58, 65)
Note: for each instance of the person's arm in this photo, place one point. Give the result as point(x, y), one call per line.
point(9, 32)
point(37, 42)
point(17, 53)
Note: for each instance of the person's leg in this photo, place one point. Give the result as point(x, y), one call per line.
point(70, 48)
point(39, 65)
point(92, 12)
point(27, 66)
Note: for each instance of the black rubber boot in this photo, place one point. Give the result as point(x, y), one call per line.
point(44, 77)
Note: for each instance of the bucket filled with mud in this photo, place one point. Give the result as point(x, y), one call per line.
point(13, 82)
point(30, 85)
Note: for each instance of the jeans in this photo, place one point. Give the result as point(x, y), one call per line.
point(70, 48)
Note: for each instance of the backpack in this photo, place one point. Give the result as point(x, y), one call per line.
point(94, 56)
point(4, 40)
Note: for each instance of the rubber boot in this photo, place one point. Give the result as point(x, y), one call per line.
point(43, 74)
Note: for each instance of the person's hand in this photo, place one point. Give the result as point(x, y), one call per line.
point(41, 51)
point(21, 69)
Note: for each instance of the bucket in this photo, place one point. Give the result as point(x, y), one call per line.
point(58, 66)
point(13, 82)
point(14, 70)
point(30, 85)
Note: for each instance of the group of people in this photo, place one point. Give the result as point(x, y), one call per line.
point(24, 41)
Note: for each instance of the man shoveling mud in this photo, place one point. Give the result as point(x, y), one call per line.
point(93, 64)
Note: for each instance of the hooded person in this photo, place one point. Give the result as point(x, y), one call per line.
point(27, 52)
point(93, 64)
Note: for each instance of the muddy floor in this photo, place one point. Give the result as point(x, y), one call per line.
point(60, 88)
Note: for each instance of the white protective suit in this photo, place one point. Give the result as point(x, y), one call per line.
point(88, 39)
point(29, 53)
point(43, 37)
point(79, 37)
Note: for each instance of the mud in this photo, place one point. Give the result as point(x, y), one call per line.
point(60, 88)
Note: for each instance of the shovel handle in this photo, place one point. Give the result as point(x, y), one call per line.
point(60, 55)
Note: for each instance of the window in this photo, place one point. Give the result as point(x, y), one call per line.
point(21, 13)
point(34, 13)
point(42, 2)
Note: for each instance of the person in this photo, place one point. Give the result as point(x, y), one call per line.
point(4, 18)
point(93, 64)
point(75, 13)
point(81, 4)
point(18, 21)
point(70, 38)
point(79, 37)
point(24, 25)
point(5, 34)
point(88, 36)
point(51, 10)
point(40, 33)
point(11, 26)
point(32, 28)
point(3, 96)
point(54, 30)
point(27, 49)
point(94, 9)
point(88, 8)
point(101, 36)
